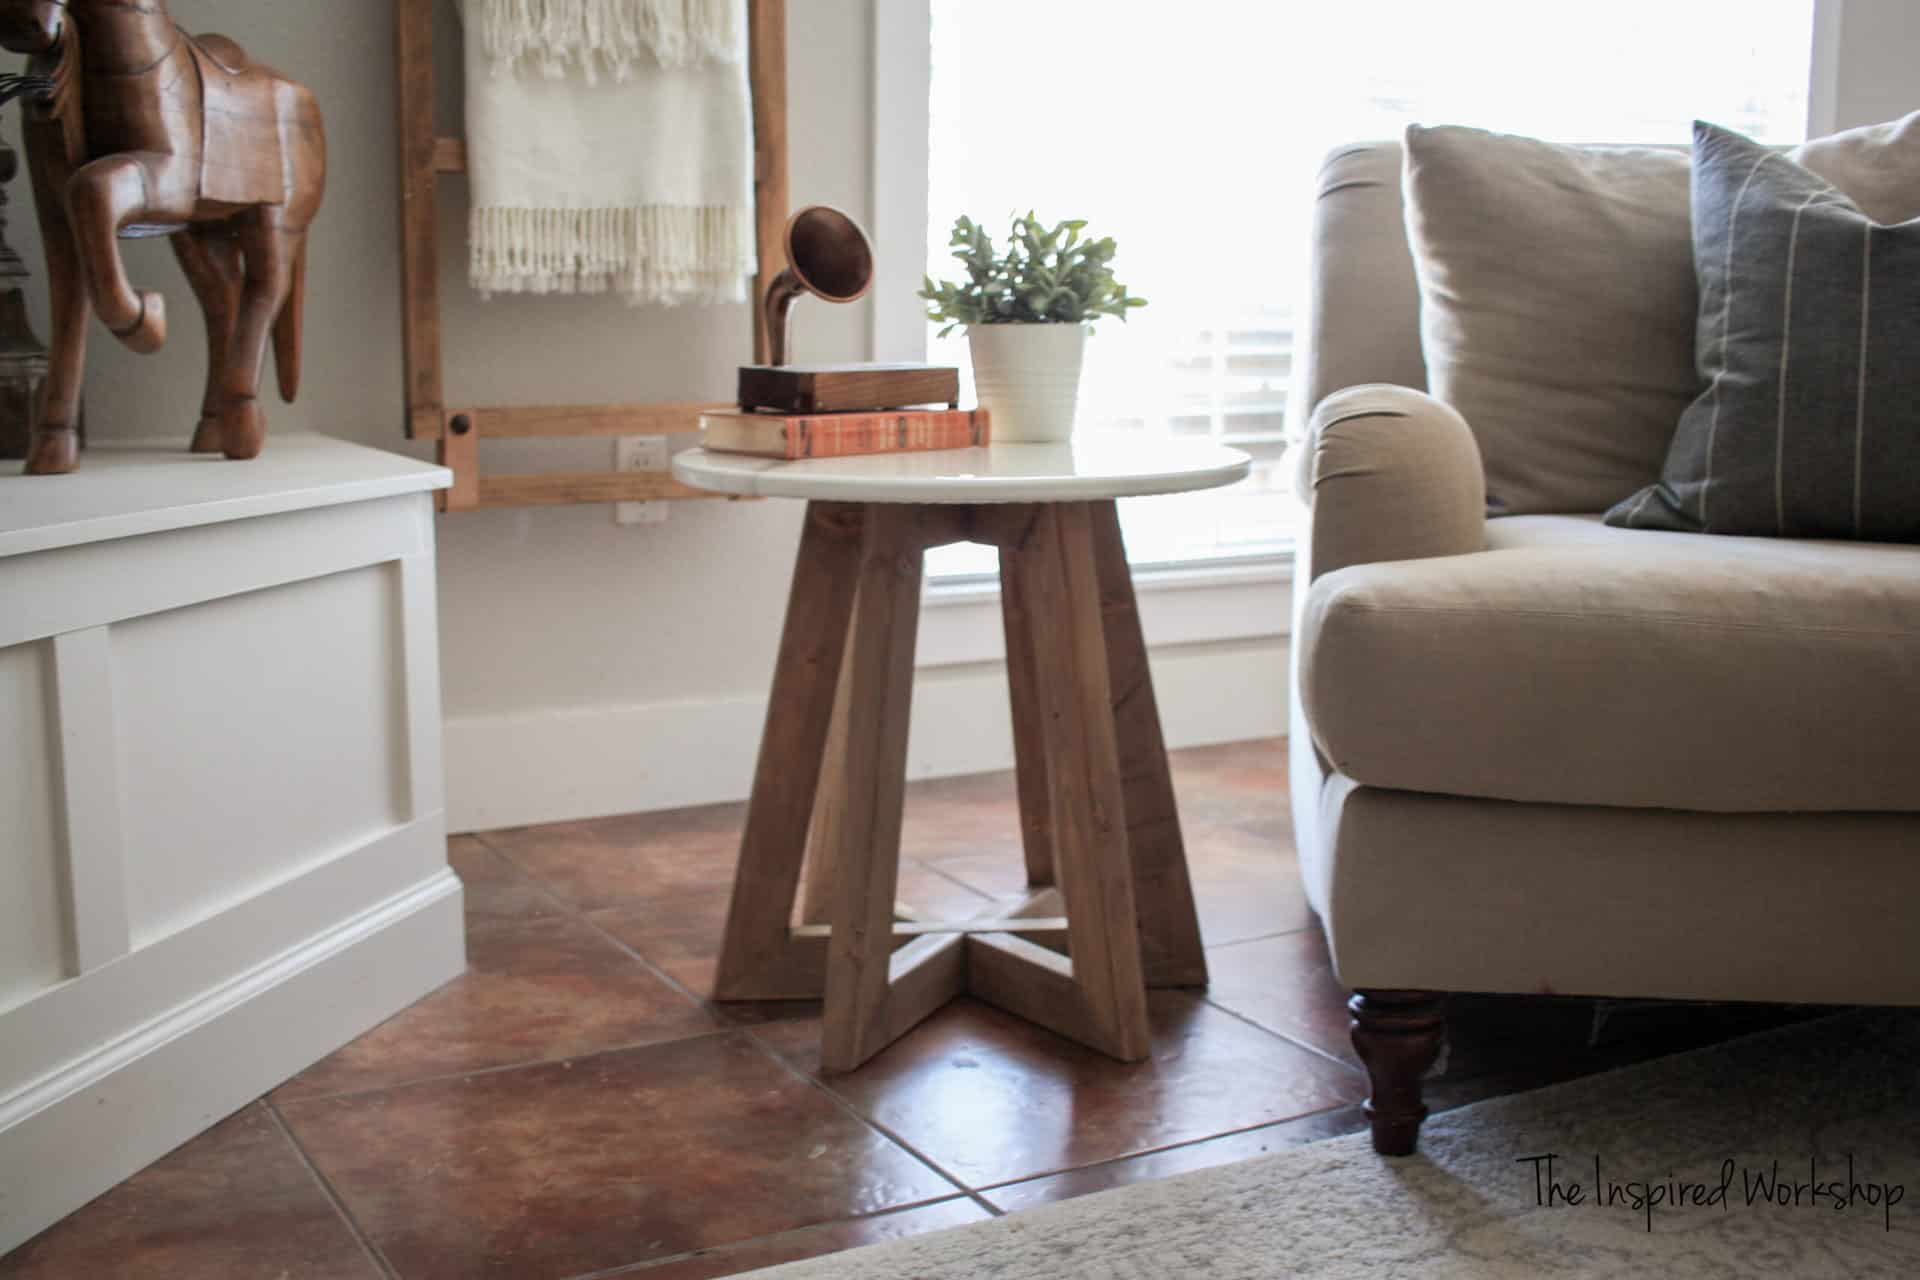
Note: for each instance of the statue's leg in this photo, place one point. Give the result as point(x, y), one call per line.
point(209, 254)
point(55, 448)
point(289, 329)
point(304, 139)
point(104, 198)
point(269, 249)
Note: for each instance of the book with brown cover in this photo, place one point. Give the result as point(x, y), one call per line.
point(847, 388)
point(838, 435)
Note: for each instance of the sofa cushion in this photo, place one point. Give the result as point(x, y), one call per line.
point(1557, 308)
point(1576, 663)
point(1809, 424)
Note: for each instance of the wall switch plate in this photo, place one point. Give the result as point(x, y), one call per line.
point(640, 453)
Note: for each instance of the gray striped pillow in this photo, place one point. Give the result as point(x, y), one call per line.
point(1809, 345)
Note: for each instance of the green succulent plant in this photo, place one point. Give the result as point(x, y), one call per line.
point(1044, 277)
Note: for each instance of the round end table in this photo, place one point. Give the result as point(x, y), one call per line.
point(1111, 912)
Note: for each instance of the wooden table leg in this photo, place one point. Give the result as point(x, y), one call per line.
point(1061, 589)
point(829, 809)
point(879, 701)
point(1029, 743)
point(757, 961)
point(1171, 950)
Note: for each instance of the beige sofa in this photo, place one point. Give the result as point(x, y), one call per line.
point(1539, 754)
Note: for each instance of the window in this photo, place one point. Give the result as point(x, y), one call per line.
point(1192, 134)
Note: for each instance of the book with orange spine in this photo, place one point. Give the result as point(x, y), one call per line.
point(839, 435)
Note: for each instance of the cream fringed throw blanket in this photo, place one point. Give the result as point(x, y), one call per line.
point(610, 147)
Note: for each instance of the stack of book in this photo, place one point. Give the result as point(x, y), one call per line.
point(837, 435)
point(835, 410)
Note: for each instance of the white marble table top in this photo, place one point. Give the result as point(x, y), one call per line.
point(1090, 468)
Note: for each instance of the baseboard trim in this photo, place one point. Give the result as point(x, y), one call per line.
point(557, 764)
point(71, 1135)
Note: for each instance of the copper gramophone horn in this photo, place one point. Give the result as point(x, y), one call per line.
point(828, 255)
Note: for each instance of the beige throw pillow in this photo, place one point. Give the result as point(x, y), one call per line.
point(1557, 308)
point(1877, 166)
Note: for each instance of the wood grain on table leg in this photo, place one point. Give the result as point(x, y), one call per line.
point(755, 953)
point(1171, 950)
point(1027, 980)
point(923, 975)
point(880, 699)
point(1062, 593)
point(1029, 743)
point(829, 808)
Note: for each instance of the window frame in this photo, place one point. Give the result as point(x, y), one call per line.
point(901, 116)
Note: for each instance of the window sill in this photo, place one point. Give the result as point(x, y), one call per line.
point(1180, 604)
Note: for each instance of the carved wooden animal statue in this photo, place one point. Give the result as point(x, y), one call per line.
point(139, 129)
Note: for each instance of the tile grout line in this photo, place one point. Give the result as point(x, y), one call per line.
point(327, 1189)
point(567, 910)
point(841, 1103)
point(934, 868)
point(725, 1025)
point(1172, 1146)
point(816, 1083)
point(1284, 1038)
point(470, 1072)
point(1265, 937)
point(540, 886)
point(641, 1268)
point(781, 1061)
point(952, 879)
point(961, 1191)
point(706, 1004)
point(766, 1049)
point(584, 915)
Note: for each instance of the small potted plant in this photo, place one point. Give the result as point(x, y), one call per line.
point(1027, 314)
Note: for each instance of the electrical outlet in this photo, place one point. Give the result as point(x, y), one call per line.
point(640, 453)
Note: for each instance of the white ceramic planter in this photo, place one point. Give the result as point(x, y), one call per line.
point(1028, 378)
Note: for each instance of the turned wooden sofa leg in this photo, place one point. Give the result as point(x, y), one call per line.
point(1398, 1035)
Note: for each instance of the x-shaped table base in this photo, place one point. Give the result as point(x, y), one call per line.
point(1114, 911)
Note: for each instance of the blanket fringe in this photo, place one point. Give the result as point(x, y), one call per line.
point(658, 254)
point(558, 37)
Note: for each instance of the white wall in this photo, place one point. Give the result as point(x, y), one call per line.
point(551, 608)
point(590, 668)
point(547, 609)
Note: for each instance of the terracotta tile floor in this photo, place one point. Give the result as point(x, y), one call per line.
point(572, 1106)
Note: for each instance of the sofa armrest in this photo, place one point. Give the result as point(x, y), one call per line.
point(1391, 474)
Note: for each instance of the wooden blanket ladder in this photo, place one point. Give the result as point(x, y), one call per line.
point(457, 428)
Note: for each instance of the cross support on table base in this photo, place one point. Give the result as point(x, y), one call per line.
point(1098, 820)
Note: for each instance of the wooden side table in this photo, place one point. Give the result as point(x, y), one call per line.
point(1112, 910)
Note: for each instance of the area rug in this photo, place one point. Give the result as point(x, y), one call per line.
point(1791, 1153)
